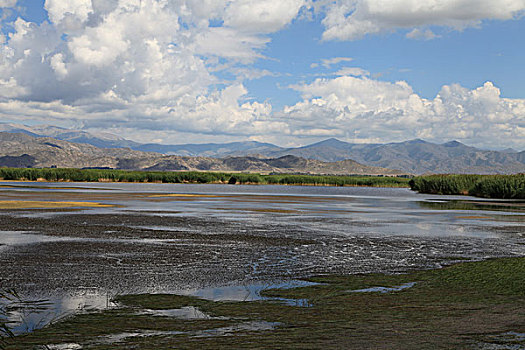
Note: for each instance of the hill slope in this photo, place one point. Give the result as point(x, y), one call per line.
point(414, 156)
point(23, 150)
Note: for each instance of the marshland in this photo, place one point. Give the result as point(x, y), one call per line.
point(153, 265)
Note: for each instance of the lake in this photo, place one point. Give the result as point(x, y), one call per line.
point(226, 241)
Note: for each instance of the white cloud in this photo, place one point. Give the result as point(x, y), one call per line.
point(229, 43)
point(58, 65)
point(354, 71)
point(329, 62)
point(58, 10)
point(364, 108)
point(147, 63)
point(150, 70)
point(419, 34)
point(353, 19)
point(251, 74)
point(7, 3)
point(134, 50)
point(263, 16)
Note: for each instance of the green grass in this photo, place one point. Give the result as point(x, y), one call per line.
point(458, 307)
point(104, 175)
point(383, 181)
point(488, 186)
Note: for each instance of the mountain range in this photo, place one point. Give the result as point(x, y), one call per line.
point(23, 150)
point(414, 156)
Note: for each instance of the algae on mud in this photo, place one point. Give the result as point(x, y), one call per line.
point(460, 306)
point(258, 233)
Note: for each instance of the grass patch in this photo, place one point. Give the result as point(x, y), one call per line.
point(105, 175)
point(488, 186)
point(455, 307)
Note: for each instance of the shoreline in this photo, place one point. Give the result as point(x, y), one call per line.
point(147, 256)
point(209, 183)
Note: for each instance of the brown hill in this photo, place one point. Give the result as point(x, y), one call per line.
point(22, 150)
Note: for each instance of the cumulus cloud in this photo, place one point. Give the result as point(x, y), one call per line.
point(263, 16)
point(360, 109)
point(134, 49)
point(58, 10)
point(353, 19)
point(152, 69)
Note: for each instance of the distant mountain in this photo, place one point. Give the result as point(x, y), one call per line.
point(211, 149)
point(414, 156)
point(285, 164)
point(107, 140)
point(23, 150)
point(103, 140)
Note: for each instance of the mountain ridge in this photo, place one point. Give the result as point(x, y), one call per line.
point(22, 150)
point(413, 156)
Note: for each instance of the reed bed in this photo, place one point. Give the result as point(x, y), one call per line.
point(110, 175)
point(487, 186)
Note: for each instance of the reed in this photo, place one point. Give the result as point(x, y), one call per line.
point(110, 175)
point(487, 186)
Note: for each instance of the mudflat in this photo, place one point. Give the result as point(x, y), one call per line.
point(142, 251)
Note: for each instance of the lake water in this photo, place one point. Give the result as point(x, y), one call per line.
point(209, 240)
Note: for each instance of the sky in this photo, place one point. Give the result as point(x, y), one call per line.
point(288, 72)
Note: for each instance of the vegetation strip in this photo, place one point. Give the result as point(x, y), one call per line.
point(104, 175)
point(467, 305)
point(488, 186)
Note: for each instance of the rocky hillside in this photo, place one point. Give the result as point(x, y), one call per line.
point(23, 150)
point(414, 156)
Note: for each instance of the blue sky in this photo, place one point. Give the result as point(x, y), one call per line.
point(291, 72)
point(493, 52)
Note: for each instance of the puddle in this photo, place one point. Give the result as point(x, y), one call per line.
point(65, 346)
point(504, 341)
point(384, 289)
point(165, 228)
point(120, 337)
point(292, 302)
point(251, 292)
point(28, 314)
point(185, 313)
point(10, 238)
point(251, 326)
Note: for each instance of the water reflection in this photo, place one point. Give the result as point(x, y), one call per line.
point(184, 313)
point(26, 314)
point(514, 206)
point(384, 289)
point(10, 238)
point(158, 244)
point(250, 292)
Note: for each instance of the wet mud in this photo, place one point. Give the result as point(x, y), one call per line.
point(118, 253)
point(143, 239)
